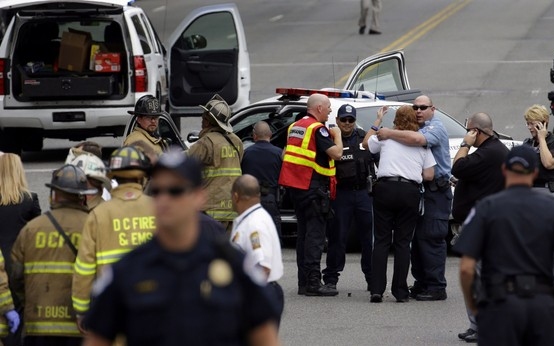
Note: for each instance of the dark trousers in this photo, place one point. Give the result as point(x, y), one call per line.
point(277, 291)
point(52, 341)
point(429, 244)
point(353, 209)
point(269, 202)
point(517, 321)
point(311, 225)
point(396, 209)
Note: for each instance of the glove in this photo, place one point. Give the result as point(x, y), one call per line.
point(13, 320)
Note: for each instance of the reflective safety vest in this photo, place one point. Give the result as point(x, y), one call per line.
point(221, 161)
point(299, 162)
point(43, 266)
point(111, 230)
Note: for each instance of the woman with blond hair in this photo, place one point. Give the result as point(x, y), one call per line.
point(396, 202)
point(17, 204)
point(536, 119)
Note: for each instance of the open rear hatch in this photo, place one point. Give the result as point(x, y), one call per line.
point(70, 50)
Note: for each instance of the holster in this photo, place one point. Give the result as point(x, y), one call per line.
point(323, 202)
point(496, 288)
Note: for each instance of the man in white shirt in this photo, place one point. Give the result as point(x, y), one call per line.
point(254, 233)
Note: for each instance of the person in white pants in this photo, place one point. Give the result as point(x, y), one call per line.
point(374, 28)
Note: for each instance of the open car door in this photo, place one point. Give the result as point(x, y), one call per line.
point(166, 129)
point(208, 56)
point(381, 74)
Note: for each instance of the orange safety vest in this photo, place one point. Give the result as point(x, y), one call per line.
point(299, 160)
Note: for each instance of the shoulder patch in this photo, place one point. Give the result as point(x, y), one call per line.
point(323, 131)
point(255, 240)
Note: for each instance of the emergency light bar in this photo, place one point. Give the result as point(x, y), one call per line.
point(334, 93)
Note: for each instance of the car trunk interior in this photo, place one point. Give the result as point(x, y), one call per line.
point(69, 58)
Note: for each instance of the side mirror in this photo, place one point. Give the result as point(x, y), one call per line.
point(195, 42)
point(193, 136)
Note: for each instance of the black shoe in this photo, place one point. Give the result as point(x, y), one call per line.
point(402, 300)
point(374, 32)
point(362, 30)
point(321, 291)
point(472, 338)
point(467, 333)
point(415, 290)
point(301, 290)
point(431, 295)
point(331, 286)
point(376, 298)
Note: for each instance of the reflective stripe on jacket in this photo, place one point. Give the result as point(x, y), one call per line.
point(299, 162)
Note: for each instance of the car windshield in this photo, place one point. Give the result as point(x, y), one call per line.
point(367, 115)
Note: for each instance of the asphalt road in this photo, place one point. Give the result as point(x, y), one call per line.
point(469, 56)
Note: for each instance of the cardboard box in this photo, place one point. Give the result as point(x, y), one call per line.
point(74, 51)
point(107, 62)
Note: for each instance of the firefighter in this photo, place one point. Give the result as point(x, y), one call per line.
point(95, 170)
point(148, 111)
point(114, 227)
point(221, 152)
point(43, 257)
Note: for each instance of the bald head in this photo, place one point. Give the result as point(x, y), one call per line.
point(319, 106)
point(261, 131)
point(424, 100)
point(482, 121)
point(246, 187)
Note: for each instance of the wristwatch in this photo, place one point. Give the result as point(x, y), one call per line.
point(465, 145)
point(374, 128)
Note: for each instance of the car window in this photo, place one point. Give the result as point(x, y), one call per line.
point(141, 32)
point(367, 115)
point(149, 33)
point(242, 126)
point(382, 77)
point(217, 28)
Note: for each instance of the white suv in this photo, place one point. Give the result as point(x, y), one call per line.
point(47, 91)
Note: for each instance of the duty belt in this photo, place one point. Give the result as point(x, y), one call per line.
point(399, 179)
point(352, 187)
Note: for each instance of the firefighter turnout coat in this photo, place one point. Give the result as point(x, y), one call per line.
point(158, 145)
point(221, 161)
point(111, 230)
point(43, 271)
point(6, 301)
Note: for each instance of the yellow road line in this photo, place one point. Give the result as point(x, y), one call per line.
point(420, 30)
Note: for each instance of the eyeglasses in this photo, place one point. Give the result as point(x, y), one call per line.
point(474, 128)
point(172, 191)
point(422, 107)
point(150, 118)
point(347, 120)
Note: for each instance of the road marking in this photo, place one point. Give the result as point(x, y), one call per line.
point(40, 170)
point(276, 18)
point(416, 33)
point(158, 9)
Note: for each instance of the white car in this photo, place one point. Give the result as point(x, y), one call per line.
point(53, 85)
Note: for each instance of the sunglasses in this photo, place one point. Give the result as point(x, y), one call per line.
point(422, 107)
point(473, 128)
point(172, 191)
point(347, 120)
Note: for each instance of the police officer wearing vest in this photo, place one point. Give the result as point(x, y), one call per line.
point(221, 151)
point(114, 227)
point(512, 233)
point(308, 172)
point(184, 287)
point(43, 257)
point(148, 111)
point(263, 160)
point(353, 205)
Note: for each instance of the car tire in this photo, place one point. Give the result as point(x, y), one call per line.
point(10, 142)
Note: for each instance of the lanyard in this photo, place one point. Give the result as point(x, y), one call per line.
point(245, 216)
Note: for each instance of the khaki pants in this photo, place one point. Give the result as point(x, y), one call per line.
point(375, 11)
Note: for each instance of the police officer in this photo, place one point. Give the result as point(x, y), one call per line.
point(429, 244)
point(353, 205)
point(95, 170)
point(148, 111)
point(183, 287)
point(512, 233)
point(255, 234)
point(114, 227)
point(263, 160)
point(43, 257)
point(221, 152)
point(308, 172)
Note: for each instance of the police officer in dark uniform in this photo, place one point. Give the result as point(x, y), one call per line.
point(542, 140)
point(263, 160)
point(309, 174)
point(512, 233)
point(353, 204)
point(184, 287)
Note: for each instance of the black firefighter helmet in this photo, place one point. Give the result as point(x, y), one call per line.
point(72, 180)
